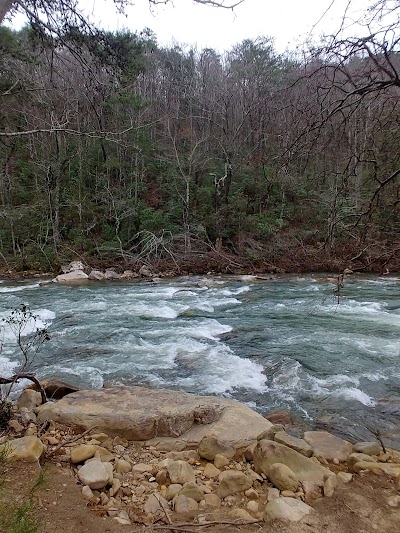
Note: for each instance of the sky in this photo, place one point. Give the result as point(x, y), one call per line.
point(289, 22)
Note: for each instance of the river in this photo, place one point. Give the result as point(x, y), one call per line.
point(283, 344)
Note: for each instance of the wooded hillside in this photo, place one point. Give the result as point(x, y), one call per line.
point(124, 152)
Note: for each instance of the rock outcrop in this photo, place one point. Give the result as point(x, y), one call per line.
point(138, 413)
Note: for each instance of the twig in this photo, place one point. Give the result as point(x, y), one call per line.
point(180, 526)
point(71, 440)
point(162, 505)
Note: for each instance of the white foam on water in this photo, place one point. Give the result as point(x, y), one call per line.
point(375, 376)
point(224, 372)
point(7, 367)
point(350, 393)
point(18, 289)
point(42, 319)
point(233, 292)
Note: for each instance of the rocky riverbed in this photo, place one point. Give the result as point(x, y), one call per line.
point(202, 460)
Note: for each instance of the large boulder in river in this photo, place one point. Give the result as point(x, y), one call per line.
point(138, 413)
point(76, 276)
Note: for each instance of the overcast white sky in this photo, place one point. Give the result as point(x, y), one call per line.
point(287, 21)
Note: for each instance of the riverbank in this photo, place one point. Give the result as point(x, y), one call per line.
point(298, 261)
point(100, 480)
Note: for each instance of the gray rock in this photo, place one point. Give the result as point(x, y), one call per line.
point(181, 472)
point(210, 471)
point(172, 491)
point(300, 445)
point(80, 454)
point(282, 477)
point(16, 426)
point(110, 274)
point(96, 275)
point(27, 449)
point(232, 482)
point(87, 493)
point(122, 466)
point(72, 267)
point(344, 477)
point(286, 509)
point(191, 490)
point(330, 485)
point(182, 504)
point(95, 475)
point(29, 399)
point(211, 445)
point(212, 500)
point(154, 503)
point(77, 276)
point(270, 433)
point(138, 413)
point(327, 445)
point(240, 514)
point(269, 452)
point(367, 448)
point(357, 458)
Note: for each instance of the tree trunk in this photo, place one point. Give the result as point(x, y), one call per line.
point(5, 6)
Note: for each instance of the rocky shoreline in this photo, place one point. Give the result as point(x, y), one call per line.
point(152, 456)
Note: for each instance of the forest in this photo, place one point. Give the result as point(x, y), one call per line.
point(124, 153)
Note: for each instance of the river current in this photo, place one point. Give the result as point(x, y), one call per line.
point(283, 344)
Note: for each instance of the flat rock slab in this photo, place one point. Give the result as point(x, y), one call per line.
point(329, 446)
point(138, 413)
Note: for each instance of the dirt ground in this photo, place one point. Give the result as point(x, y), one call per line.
point(57, 506)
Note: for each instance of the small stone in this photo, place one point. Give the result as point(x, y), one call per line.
point(286, 509)
point(24, 449)
point(181, 472)
point(109, 468)
point(191, 490)
point(288, 494)
point(122, 466)
point(115, 487)
point(16, 426)
point(52, 441)
point(240, 514)
point(220, 461)
point(273, 493)
point(232, 482)
point(211, 445)
point(357, 458)
point(212, 500)
point(182, 504)
point(281, 417)
point(384, 457)
point(122, 521)
point(29, 399)
point(253, 506)
point(330, 485)
point(336, 461)
point(367, 448)
point(87, 492)
point(394, 501)
point(162, 477)
point(119, 441)
point(32, 430)
point(283, 477)
point(172, 491)
point(211, 471)
point(79, 454)
point(251, 494)
point(94, 474)
point(154, 503)
point(142, 468)
point(344, 477)
point(101, 437)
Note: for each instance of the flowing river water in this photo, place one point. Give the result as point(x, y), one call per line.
point(281, 344)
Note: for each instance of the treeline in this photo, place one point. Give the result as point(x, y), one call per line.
point(120, 151)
